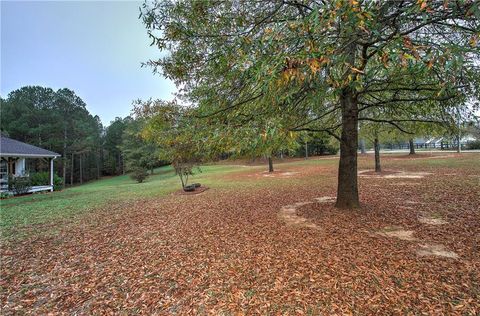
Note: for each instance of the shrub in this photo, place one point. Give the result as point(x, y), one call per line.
point(19, 185)
point(40, 178)
point(57, 183)
point(318, 147)
point(139, 174)
point(4, 195)
point(43, 178)
point(331, 149)
point(473, 144)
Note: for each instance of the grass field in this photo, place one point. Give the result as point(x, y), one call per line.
point(20, 214)
point(254, 243)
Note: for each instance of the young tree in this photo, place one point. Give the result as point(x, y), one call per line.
point(176, 133)
point(317, 144)
point(326, 61)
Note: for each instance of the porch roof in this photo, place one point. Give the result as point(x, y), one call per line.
point(14, 148)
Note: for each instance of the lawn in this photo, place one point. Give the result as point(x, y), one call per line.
point(35, 213)
point(254, 243)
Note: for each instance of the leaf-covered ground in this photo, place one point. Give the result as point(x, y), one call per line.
point(228, 252)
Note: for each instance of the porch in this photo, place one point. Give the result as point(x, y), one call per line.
point(40, 188)
point(13, 165)
point(33, 189)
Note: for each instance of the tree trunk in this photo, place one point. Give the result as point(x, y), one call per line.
point(412, 146)
point(71, 170)
point(270, 164)
point(64, 158)
point(118, 165)
point(306, 150)
point(98, 165)
point(181, 179)
point(81, 170)
point(362, 146)
point(377, 155)
point(64, 169)
point(347, 191)
point(459, 138)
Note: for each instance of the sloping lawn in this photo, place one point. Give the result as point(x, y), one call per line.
point(254, 243)
point(36, 213)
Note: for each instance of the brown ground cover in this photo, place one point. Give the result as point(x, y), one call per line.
point(198, 190)
point(282, 171)
point(228, 252)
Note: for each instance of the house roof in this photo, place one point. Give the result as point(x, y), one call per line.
point(14, 148)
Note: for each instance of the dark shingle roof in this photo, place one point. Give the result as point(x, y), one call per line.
point(12, 147)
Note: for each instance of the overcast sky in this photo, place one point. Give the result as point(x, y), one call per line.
point(92, 47)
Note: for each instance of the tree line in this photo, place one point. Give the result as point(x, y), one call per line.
point(59, 121)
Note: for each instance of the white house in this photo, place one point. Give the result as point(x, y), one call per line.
point(13, 156)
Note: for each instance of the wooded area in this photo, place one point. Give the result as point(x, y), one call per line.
point(59, 121)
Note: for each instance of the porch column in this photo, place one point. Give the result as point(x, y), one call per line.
point(51, 174)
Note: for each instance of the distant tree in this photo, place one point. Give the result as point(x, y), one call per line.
point(473, 128)
point(261, 138)
point(98, 145)
point(381, 129)
point(24, 114)
point(114, 163)
point(374, 132)
point(138, 152)
point(317, 144)
point(73, 125)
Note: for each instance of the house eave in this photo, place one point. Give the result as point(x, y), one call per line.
point(13, 155)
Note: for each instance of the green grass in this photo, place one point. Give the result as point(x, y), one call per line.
point(21, 216)
point(44, 208)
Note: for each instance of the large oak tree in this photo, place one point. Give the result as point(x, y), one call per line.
point(324, 63)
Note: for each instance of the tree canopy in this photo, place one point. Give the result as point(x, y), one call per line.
point(58, 121)
point(320, 65)
point(179, 139)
